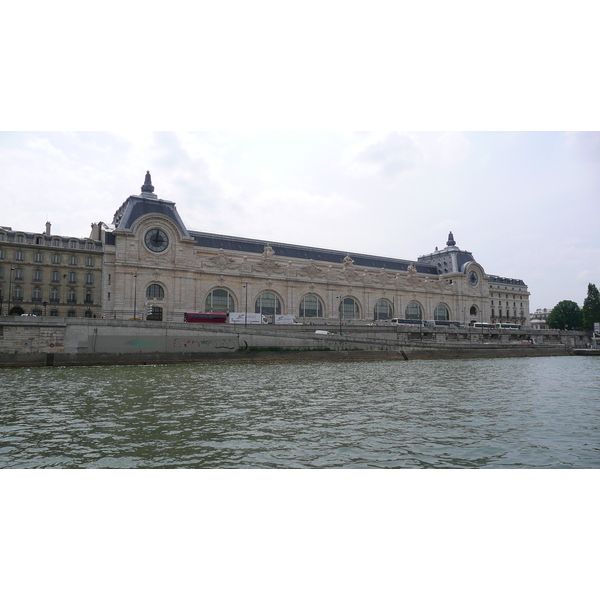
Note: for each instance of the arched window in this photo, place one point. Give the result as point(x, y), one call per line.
point(441, 313)
point(473, 311)
point(219, 301)
point(311, 306)
point(155, 291)
point(268, 304)
point(88, 314)
point(71, 313)
point(382, 311)
point(349, 309)
point(413, 311)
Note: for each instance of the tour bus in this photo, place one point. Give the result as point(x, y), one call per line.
point(205, 317)
point(445, 323)
point(508, 326)
point(483, 325)
point(395, 321)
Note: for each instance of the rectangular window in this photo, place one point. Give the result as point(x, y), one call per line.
point(55, 277)
point(72, 260)
point(71, 296)
point(37, 275)
point(89, 278)
point(56, 259)
point(38, 257)
point(18, 254)
point(73, 244)
point(72, 277)
point(56, 242)
point(89, 261)
point(18, 274)
point(54, 295)
point(37, 294)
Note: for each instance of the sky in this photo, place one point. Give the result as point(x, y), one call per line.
point(524, 203)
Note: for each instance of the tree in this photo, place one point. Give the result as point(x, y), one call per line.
point(565, 315)
point(591, 308)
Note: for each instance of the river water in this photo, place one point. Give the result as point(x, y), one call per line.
point(471, 413)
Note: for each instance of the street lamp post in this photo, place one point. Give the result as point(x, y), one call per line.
point(9, 289)
point(134, 296)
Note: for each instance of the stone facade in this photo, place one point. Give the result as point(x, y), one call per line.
point(148, 265)
point(154, 264)
point(45, 274)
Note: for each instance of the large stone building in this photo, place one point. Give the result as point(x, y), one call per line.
point(154, 267)
point(45, 274)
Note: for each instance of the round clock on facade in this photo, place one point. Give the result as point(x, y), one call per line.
point(473, 278)
point(156, 240)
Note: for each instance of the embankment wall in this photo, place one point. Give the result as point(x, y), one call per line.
point(52, 341)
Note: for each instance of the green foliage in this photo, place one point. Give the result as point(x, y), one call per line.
point(591, 308)
point(565, 315)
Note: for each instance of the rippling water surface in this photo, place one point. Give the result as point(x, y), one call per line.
point(498, 413)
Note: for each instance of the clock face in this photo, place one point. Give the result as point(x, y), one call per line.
point(156, 240)
point(473, 278)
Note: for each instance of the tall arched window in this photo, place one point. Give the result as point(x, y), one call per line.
point(413, 311)
point(473, 311)
point(219, 301)
point(349, 309)
point(311, 306)
point(155, 291)
point(441, 313)
point(382, 311)
point(268, 304)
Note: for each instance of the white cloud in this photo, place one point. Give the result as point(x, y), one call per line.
point(388, 154)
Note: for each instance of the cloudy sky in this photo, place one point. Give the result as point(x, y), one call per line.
point(523, 203)
point(372, 131)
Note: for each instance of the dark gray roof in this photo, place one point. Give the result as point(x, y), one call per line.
point(282, 250)
point(137, 206)
point(506, 280)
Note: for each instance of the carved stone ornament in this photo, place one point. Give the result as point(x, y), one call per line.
point(347, 262)
point(351, 275)
point(270, 267)
point(268, 252)
point(221, 261)
point(412, 270)
point(312, 271)
point(383, 278)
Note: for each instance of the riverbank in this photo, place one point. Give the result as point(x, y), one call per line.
point(70, 342)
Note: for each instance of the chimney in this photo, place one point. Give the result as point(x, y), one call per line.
point(48, 225)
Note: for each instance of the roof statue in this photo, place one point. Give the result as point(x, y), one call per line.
point(148, 187)
point(450, 241)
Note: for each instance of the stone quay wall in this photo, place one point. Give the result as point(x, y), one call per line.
point(54, 341)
